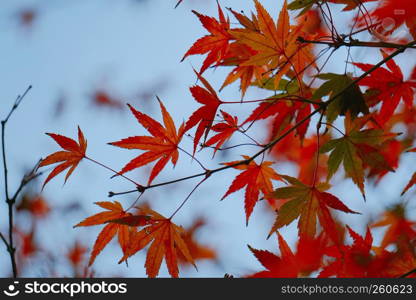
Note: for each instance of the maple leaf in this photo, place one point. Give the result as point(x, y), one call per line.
point(236, 55)
point(204, 115)
point(196, 250)
point(290, 264)
point(312, 24)
point(411, 183)
point(114, 212)
point(356, 148)
point(275, 44)
point(354, 260)
point(239, 53)
point(102, 98)
point(387, 86)
point(28, 246)
point(246, 22)
point(390, 151)
point(35, 205)
point(166, 241)
point(76, 254)
point(225, 131)
point(350, 100)
point(307, 203)
point(401, 11)
point(399, 264)
point(215, 44)
point(255, 178)
point(285, 107)
point(161, 146)
point(284, 111)
point(269, 41)
point(400, 230)
point(283, 266)
point(70, 158)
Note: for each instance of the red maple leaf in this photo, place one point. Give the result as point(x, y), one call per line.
point(161, 146)
point(354, 260)
point(204, 115)
point(387, 86)
point(225, 131)
point(114, 212)
point(290, 264)
point(255, 178)
point(215, 44)
point(166, 242)
point(401, 11)
point(74, 153)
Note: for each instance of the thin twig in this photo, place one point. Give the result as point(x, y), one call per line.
point(408, 273)
point(193, 158)
point(4, 240)
point(10, 201)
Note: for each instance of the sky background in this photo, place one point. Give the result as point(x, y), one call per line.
point(132, 50)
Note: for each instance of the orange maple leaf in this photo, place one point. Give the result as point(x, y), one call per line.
point(76, 253)
point(101, 98)
point(400, 230)
point(275, 44)
point(110, 218)
point(257, 178)
point(36, 205)
point(197, 251)
point(161, 146)
point(74, 153)
point(215, 44)
point(166, 241)
point(237, 54)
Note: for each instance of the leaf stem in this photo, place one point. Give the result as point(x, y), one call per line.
point(193, 157)
point(139, 186)
point(187, 197)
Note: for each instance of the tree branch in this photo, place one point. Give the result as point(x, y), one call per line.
point(10, 201)
point(356, 43)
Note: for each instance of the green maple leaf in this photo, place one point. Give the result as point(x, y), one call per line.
point(356, 148)
point(308, 203)
point(350, 98)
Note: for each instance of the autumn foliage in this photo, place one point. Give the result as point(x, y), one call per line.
point(358, 124)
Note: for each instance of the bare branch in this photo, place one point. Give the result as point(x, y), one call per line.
point(10, 201)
